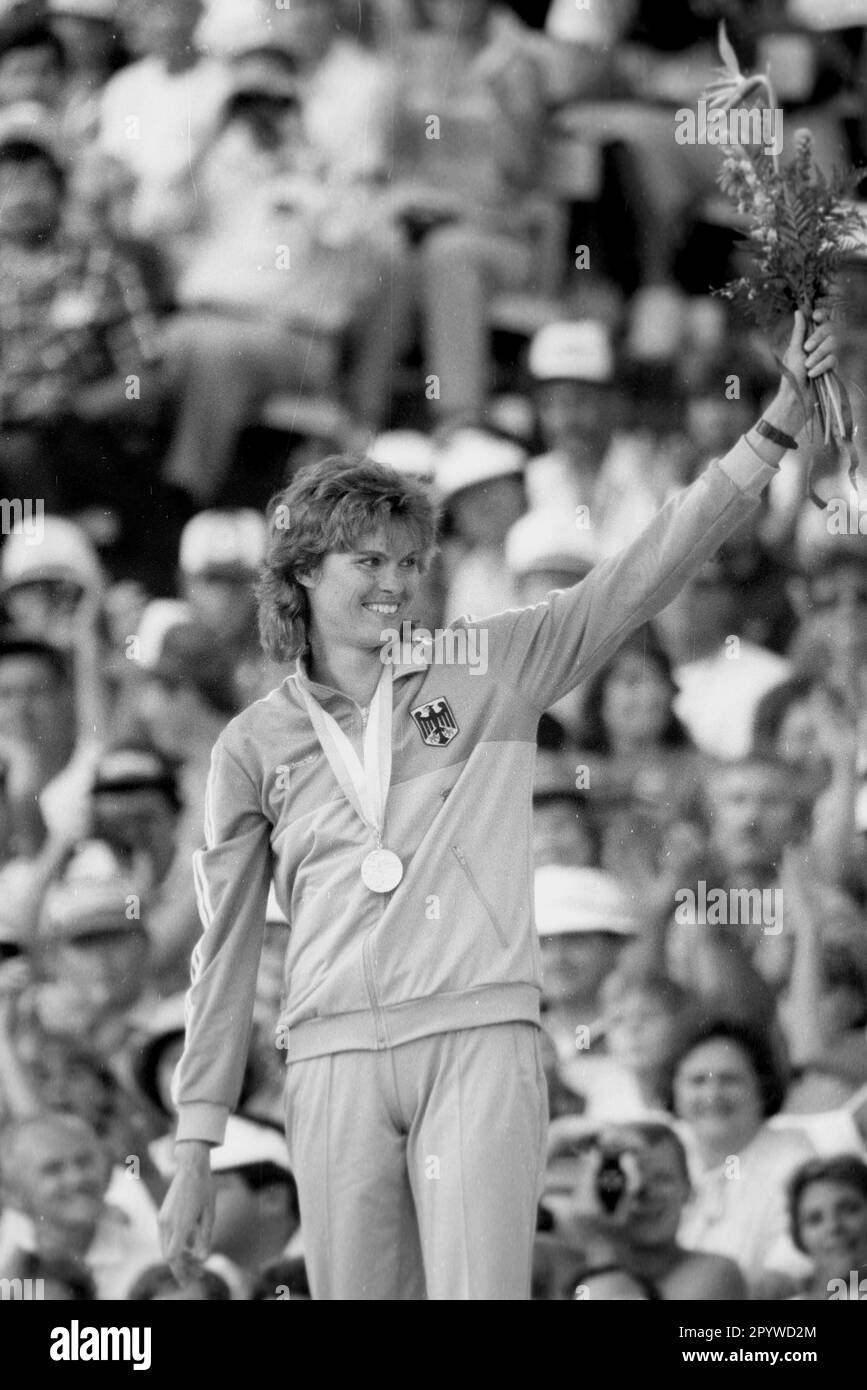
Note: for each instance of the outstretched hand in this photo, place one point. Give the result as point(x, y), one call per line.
point(809, 357)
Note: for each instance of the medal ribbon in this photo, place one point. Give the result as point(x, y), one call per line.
point(366, 785)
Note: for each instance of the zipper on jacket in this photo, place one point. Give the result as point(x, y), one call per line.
point(471, 878)
point(370, 982)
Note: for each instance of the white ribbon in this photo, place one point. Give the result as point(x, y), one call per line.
point(365, 785)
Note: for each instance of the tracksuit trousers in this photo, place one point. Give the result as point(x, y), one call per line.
point(419, 1167)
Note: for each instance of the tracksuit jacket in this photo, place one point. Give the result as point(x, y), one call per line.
point(454, 945)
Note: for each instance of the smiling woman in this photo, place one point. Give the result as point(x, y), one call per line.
point(413, 1051)
point(349, 541)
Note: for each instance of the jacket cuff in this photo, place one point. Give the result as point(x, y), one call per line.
point(202, 1120)
point(746, 469)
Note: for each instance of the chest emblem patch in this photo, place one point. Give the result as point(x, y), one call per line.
point(435, 722)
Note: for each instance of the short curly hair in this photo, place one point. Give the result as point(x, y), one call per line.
point(327, 507)
point(754, 1043)
point(843, 1170)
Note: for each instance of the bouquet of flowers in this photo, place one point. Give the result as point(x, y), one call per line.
point(801, 223)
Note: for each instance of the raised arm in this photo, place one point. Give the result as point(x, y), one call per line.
point(545, 651)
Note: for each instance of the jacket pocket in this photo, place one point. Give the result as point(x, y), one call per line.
point(478, 894)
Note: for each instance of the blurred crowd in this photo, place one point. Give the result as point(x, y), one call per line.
point(459, 236)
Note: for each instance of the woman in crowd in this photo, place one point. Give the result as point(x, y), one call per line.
point(828, 1215)
point(643, 770)
point(726, 1083)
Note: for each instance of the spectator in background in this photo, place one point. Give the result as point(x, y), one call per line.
point(721, 673)
point(157, 1284)
point(575, 392)
point(221, 553)
point(823, 1009)
point(548, 549)
point(643, 772)
point(828, 1222)
point(479, 479)
point(75, 327)
point(466, 183)
point(37, 730)
point(33, 67)
point(637, 1237)
point(642, 1019)
point(87, 29)
point(725, 1085)
point(346, 90)
point(56, 1175)
point(186, 696)
point(757, 808)
point(136, 806)
point(831, 598)
point(803, 722)
point(156, 115)
point(42, 586)
point(584, 919)
point(256, 1218)
point(61, 1279)
point(563, 832)
point(719, 403)
point(313, 288)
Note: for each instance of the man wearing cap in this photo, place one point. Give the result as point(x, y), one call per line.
point(221, 553)
point(136, 805)
point(584, 918)
point(546, 549)
point(42, 585)
point(479, 478)
point(390, 806)
point(589, 471)
point(256, 1198)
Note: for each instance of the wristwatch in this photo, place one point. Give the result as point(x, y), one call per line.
point(785, 441)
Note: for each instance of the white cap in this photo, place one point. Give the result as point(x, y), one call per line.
point(593, 25)
point(248, 1142)
point(580, 350)
point(85, 9)
point(549, 540)
point(230, 27)
point(409, 451)
point(158, 618)
point(471, 456)
point(232, 541)
point(64, 552)
point(583, 900)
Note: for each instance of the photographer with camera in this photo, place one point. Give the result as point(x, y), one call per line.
point(616, 1196)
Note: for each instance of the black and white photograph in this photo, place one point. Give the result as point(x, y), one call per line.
point(433, 665)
